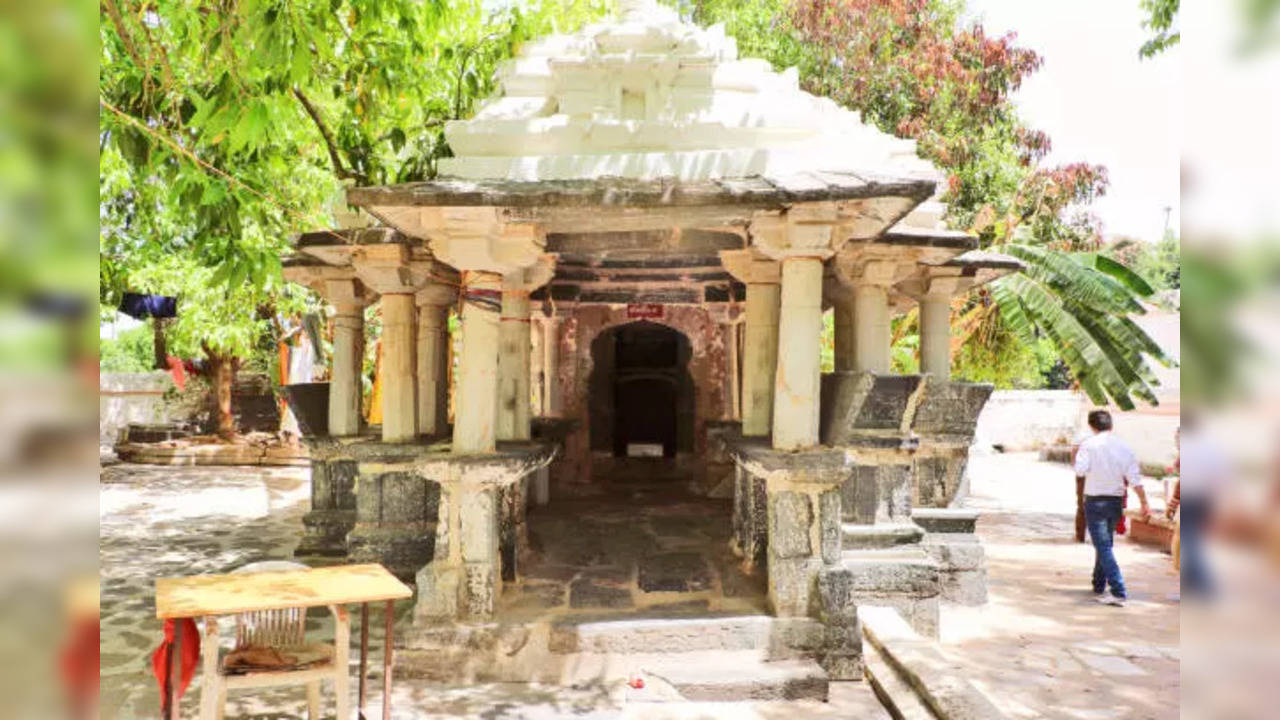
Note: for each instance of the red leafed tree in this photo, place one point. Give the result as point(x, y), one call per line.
point(916, 69)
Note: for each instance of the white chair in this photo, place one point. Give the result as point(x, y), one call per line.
point(283, 631)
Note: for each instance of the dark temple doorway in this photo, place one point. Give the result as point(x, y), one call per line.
point(641, 393)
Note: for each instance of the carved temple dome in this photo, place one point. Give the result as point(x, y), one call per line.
point(648, 97)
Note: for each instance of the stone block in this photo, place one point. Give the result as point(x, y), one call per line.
point(481, 590)
point(965, 587)
point(950, 408)
point(907, 576)
point(790, 520)
point(674, 572)
point(478, 518)
point(946, 520)
point(791, 585)
point(588, 593)
point(438, 589)
point(843, 667)
point(836, 607)
point(853, 402)
point(404, 497)
point(960, 553)
point(321, 490)
point(877, 493)
point(829, 522)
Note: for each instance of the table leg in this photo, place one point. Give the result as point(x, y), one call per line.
point(342, 649)
point(173, 670)
point(364, 653)
point(386, 660)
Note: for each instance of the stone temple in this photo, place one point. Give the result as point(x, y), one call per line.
point(640, 235)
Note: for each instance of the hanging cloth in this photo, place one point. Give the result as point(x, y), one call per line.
point(162, 658)
point(140, 307)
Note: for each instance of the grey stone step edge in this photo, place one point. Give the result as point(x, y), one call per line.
point(937, 682)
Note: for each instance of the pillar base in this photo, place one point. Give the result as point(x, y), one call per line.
point(333, 506)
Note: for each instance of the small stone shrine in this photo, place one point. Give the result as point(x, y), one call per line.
point(640, 235)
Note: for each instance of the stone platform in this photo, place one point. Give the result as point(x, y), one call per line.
point(639, 547)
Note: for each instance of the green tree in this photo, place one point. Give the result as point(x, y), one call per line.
point(912, 68)
point(1160, 18)
point(228, 125)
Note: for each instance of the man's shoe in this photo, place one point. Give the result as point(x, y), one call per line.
point(1109, 600)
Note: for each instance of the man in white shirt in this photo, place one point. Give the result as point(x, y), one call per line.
point(1107, 467)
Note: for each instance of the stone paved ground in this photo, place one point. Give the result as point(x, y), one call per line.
point(640, 547)
point(1042, 647)
point(159, 521)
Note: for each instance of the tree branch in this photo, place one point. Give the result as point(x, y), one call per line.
point(334, 155)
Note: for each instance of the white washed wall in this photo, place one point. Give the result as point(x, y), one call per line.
point(125, 398)
point(1029, 419)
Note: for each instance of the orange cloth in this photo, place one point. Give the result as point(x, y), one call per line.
point(79, 663)
point(177, 371)
point(375, 396)
point(161, 658)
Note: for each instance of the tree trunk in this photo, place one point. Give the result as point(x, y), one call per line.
point(159, 347)
point(221, 373)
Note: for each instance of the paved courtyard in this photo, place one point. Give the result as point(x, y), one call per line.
point(159, 521)
point(1041, 648)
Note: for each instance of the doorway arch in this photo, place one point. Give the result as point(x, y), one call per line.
point(640, 392)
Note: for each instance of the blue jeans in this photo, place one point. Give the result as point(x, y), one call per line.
point(1101, 513)
point(1196, 581)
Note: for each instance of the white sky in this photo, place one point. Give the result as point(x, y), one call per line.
point(1099, 102)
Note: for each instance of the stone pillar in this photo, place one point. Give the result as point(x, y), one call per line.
point(513, 364)
point(935, 326)
point(872, 335)
point(733, 406)
point(433, 358)
point(795, 410)
point(760, 350)
point(845, 341)
point(399, 370)
point(475, 411)
point(348, 354)
point(537, 383)
point(551, 404)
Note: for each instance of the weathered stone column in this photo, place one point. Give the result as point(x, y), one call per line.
point(513, 362)
point(476, 409)
point(392, 270)
point(433, 357)
point(551, 404)
point(537, 381)
point(344, 385)
point(872, 335)
point(841, 298)
point(796, 392)
point(399, 369)
point(760, 346)
point(935, 327)
point(734, 406)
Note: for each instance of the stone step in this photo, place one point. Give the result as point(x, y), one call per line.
point(779, 637)
point(897, 696)
point(892, 648)
point(858, 536)
point(706, 676)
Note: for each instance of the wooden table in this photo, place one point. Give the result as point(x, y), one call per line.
point(213, 595)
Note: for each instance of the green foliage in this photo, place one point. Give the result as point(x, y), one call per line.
point(1003, 360)
point(228, 127)
point(914, 69)
point(1160, 18)
point(1160, 265)
point(131, 350)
